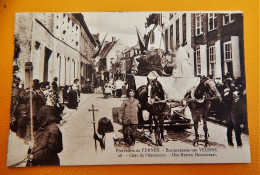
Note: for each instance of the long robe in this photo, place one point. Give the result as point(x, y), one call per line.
point(47, 139)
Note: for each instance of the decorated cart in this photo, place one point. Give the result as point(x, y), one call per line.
point(179, 117)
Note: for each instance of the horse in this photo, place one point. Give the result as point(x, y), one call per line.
point(199, 100)
point(148, 95)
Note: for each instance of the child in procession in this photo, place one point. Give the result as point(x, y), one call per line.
point(128, 115)
point(106, 130)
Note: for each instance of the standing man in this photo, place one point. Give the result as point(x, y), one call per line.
point(128, 116)
point(55, 90)
point(55, 85)
point(119, 86)
point(130, 82)
point(14, 103)
point(19, 109)
point(39, 97)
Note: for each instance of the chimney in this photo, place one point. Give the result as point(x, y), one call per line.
point(113, 38)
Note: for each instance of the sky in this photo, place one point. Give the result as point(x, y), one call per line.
point(118, 24)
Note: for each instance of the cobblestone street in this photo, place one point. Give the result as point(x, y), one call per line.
point(77, 131)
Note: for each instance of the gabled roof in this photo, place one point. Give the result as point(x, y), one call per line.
point(96, 36)
point(106, 49)
point(128, 49)
point(136, 47)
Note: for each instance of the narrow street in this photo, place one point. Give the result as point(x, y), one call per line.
point(77, 131)
point(167, 57)
point(79, 146)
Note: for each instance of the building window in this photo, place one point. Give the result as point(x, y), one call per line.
point(177, 32)
point(198, 62)
point(228, 18)
point(171, 37)
point(228, 67)
point(57, 27)
point(68, 20)
point(199, 25)
point(212, 60)
point(183, 28)
point(72, 24)
point(166, 40)
point(228, 51)
point(77, 27)
point(37, 45)
point(64, 32)
point(64, 15)
point(212, 21)
point(77, 43)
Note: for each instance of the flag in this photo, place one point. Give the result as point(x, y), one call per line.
point(141, 44)
point(146, 40)
point(100, 47)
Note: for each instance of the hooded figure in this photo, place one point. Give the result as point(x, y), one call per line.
point(47, 138)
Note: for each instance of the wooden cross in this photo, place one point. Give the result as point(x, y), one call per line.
point(94, 122)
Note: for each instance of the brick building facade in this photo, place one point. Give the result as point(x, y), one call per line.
point(213, 41)
point(217, 40)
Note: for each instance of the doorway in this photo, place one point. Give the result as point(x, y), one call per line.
point(47, 56)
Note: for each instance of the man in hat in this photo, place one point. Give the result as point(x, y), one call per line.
point(14, 103)
point(128, 115)
point(54, 85)
point(38, 99)
point(43, 90)
point(130, 81)
point(15, 93)
point(55, 90)
point(19, 109)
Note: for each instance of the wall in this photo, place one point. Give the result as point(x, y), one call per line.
point(222, 33)
point(187, 46)
point(62, 36)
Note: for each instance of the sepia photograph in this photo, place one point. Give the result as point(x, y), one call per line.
point(110, 88)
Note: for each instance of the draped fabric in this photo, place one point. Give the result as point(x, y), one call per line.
point(174, 88)
point(182, 65)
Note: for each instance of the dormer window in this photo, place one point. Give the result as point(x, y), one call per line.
point(212, 21)
point(199, 24)
point(228, 18)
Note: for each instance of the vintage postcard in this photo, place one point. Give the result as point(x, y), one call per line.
point(99, 88)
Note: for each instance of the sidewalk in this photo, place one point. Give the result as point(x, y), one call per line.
point(17, 149)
